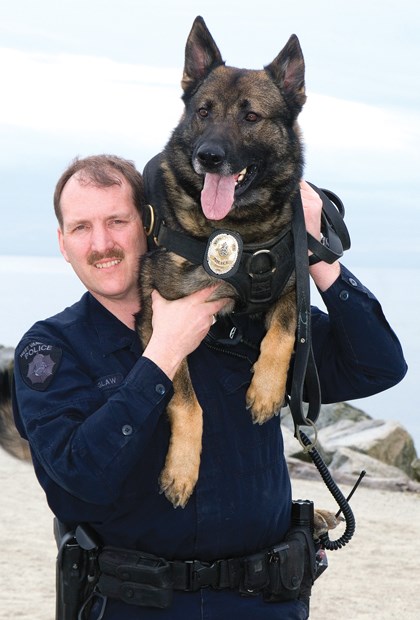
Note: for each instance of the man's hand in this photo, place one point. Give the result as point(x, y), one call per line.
point(312, 209)
point(323, 274)
point(179, 326)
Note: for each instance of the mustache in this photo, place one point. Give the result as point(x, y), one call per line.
point(95, 257)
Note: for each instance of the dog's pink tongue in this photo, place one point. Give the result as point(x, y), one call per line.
point(217, 196)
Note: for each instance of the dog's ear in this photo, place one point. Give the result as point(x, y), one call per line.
point(201, 55)
point(288, 72)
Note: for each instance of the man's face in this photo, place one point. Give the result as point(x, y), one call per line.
point(102, 238)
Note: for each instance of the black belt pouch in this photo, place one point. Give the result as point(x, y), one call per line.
point(135, 577)
point(286, 567)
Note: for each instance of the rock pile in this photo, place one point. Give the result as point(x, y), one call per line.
point(350, 441)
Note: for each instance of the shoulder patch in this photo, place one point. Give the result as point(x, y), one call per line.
point(38, 363)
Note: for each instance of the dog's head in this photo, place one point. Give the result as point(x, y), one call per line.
point(238, 144)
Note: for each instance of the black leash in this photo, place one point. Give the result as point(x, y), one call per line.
point(305, 375)
point(334, 240)
point(288, 252)
point(335, 237)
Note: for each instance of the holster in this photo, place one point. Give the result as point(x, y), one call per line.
point(76, 573)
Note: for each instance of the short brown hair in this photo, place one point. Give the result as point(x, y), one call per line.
point(102, 171)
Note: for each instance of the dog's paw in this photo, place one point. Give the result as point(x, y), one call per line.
point(265, 395)
point(325, 520)
point(263, 403)
point(177, 487)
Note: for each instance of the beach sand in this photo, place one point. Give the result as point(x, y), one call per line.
point(375, 577)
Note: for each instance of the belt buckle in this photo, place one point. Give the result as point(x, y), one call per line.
point(201, 575)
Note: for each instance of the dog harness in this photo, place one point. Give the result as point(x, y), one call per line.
point(259, 272)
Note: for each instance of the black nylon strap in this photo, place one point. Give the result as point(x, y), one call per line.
point(183, 245)
point(335, 238)
point(305, 375)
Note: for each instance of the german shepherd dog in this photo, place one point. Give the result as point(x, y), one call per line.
point(233, 163)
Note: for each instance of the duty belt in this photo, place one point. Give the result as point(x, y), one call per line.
point(139, 578)
point(186, 575)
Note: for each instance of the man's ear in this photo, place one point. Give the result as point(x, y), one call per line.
point(61, 244)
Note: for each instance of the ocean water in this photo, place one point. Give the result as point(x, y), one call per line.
point(398, 290)
point(33, 288)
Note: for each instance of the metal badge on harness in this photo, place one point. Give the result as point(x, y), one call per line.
point(223, 253)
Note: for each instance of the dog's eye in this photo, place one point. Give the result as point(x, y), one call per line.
point(251, 117)
point(203, 112)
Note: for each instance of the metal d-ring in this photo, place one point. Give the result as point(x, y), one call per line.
point(264, 251)
point(149, 229)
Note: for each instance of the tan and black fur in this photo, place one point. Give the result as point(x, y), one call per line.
point(234, 119)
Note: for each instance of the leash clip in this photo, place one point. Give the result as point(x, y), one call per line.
point(307, 448)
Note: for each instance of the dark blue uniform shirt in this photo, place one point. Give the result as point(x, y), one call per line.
point(93, 410)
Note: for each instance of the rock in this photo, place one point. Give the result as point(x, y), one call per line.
point(349, 441)
point(10, 439)
point(415, 466)
point(386, 441)
point(6, 356)
point(6, 371)
point(351, 462)
point(328, 415)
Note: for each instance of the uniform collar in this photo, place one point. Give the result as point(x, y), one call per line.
point(113, 335)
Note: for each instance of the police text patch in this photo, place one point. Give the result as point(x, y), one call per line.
point(38, 363)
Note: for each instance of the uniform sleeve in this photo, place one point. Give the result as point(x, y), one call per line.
point(356, 351)
point(86, 442)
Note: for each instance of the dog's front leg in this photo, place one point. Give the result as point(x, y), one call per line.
point(266, 393)
point(180, 474)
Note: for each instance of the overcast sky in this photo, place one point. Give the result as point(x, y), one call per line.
point(85, 76)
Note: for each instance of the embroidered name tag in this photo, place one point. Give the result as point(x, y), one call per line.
point(109, 381)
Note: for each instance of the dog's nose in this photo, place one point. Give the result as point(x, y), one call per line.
point(211, 155)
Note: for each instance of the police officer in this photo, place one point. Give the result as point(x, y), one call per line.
point(92, 404)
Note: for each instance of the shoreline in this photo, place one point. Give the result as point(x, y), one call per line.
point(372, 578)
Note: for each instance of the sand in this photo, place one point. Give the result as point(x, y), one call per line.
point(375, 577)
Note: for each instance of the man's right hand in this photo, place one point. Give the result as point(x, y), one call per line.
point(179, 326)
